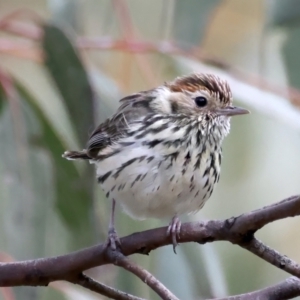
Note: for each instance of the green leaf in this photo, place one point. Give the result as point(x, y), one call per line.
point(2, 99)
point(67, 71)
point(73, 197)
point(71, 79)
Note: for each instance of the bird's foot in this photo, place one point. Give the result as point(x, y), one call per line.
point(113, 240)
point(174, 231)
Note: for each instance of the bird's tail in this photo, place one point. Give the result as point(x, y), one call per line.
point(72, 155)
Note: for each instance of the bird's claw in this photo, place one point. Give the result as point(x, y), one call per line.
point(113, 240)
point(174, 231)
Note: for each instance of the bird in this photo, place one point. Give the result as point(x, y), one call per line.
point(159, 156)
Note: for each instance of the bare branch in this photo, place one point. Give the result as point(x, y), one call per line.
point(120, 260)
point(195, 53)
point(239, 230)
point(256, 219)
point(31, 31)
point(137, 46)
point(287, 289)
point(102, 289)
point(272, 256)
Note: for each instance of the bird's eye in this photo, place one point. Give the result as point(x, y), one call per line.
point(200, 101)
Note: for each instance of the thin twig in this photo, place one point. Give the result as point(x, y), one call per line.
point(21, 49)
point(31, 31)
point(287, 289)
point(272, 256)
point(129, 32)
point(162, 47)
point(9, 24)
point(122, 261)
point(102, 289)
point(194, 53)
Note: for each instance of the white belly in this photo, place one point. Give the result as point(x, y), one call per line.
point(148, 185)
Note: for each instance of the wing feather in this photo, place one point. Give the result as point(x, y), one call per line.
point(132, 109)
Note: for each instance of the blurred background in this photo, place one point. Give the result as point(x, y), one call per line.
point(64, 64)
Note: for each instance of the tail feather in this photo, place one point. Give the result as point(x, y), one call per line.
point(72, 155)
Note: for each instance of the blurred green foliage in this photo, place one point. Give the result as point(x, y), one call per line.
point(2, 100)
point(72, 81)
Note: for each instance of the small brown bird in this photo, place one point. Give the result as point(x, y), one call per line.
point(159, 155)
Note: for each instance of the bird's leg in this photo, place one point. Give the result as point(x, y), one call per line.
point(174, 231)
point(113, 239)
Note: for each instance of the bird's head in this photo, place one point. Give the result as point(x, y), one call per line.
point(198, 94)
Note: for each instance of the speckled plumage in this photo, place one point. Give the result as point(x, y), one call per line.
point(159, 156)
point(163, 166)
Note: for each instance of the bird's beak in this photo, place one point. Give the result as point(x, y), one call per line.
point(231, 111)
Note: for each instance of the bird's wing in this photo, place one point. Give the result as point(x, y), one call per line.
point(132, 109)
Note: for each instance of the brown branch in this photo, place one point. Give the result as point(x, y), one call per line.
point(258, 218)
point(120, 260)
point(194, 53)
point(272, 256)
point(102, 289)
point(286, 289)
point(10, 23)
point(239, 230)
point(137, 46)
point(129, 32)
point(31, 31)
point(20, 49)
